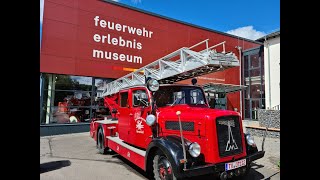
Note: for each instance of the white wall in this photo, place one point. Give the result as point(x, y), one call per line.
point(274, 49)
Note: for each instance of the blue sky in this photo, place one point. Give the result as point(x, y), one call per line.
point(249, 19)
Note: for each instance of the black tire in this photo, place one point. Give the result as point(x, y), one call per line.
point(162, 168)
point(100, 142)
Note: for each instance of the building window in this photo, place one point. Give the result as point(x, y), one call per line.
point(253, 78)
point(71, 99)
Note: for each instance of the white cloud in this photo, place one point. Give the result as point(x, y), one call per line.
point(136, 1)
point(247, 32)
point(41, 10)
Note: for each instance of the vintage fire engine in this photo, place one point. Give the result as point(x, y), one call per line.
point(168, 129)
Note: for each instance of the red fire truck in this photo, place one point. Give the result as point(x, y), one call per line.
point(168, 129)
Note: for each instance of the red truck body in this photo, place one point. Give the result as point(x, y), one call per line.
point(129, 135)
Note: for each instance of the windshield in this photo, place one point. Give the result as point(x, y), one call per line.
point(168, 95)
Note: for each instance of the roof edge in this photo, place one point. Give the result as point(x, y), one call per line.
point(178, 21)
point(273, 34)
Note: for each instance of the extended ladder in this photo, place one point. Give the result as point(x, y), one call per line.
point(181, 64)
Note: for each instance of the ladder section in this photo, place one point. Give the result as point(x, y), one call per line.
point(179, 65)
point(222, 88)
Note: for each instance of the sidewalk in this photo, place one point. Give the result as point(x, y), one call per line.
point(272, 155)
point(74, 157)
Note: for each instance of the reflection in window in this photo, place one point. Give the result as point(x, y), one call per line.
point(172, 95)
point(71, 99)
point(100, 85)
point(140, 98)
point(67, 114)
point(179, 97)
point(255, 72)
point(67, 82)
point(254, 59)
point(255, 91)
point(196, 97)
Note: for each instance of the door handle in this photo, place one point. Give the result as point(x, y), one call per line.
point(130, 114)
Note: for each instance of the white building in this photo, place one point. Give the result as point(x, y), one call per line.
point(272, 69)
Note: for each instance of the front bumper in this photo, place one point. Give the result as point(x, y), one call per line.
point(218, 168)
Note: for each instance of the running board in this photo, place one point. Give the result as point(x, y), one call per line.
point(135, 155)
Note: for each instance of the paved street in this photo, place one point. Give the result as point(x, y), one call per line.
point(74, 156)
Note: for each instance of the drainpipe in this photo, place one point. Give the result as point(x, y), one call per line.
point(268, 46)
point(240, 69)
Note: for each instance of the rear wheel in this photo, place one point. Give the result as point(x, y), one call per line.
point(100, 142)
point(162, 167)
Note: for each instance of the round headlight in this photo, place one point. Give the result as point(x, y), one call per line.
point(150, 120)
point(250, 140)
point(153, 85)
point(194, 149)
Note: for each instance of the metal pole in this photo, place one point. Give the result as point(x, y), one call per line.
point(93, 93)
point(207, 46)
point(41, 95)
point(198, 43)
point(265, 38)
point(182, 140)
point(240, 59)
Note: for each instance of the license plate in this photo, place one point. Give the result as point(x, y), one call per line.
point(235, 165)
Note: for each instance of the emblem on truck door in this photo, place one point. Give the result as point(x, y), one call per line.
point(231, 144)
point(139, 125)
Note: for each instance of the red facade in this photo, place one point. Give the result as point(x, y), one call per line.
point(76, 42)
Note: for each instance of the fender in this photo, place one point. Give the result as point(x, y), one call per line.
point(172, 148)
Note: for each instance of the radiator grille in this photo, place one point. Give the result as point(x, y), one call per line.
point(229, 135)
point(174, 125)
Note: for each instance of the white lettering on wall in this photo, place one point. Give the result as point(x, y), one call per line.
point(99, 54)
point(110, 39)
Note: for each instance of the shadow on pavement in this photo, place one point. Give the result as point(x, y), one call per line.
point(256, 166)
point(132, 167)
point(252, 175)
point(273, 175)
point(50, 166)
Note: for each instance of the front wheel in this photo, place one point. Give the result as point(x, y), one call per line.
point(162, 168)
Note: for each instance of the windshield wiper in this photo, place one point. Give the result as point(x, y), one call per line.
point(176, 100)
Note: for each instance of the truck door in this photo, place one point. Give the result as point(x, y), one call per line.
point(140, 108)
point(123, 116)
